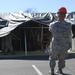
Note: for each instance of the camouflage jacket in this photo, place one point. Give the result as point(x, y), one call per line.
point(61, 35)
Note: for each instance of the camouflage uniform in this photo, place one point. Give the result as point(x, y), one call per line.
point(61, 42)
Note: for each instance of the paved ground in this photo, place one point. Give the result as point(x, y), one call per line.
point(32, 65)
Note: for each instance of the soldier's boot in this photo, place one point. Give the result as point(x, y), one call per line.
point(52, 72)
point(59, 71)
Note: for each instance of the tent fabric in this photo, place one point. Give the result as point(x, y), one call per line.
point(71, 17)
point(9, 21)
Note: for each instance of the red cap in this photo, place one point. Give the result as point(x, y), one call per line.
point(62, 10)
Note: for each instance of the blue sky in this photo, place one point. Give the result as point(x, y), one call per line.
point(36, 5)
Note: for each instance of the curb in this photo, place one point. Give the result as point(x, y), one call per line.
point(29, 57)
point(33, 57)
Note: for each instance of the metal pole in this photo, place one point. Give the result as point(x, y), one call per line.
point(25, 42)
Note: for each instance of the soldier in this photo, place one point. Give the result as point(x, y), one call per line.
point(61, 40)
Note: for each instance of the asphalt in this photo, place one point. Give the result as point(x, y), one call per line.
point(70, 61)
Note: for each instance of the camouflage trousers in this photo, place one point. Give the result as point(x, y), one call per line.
point(60, 55)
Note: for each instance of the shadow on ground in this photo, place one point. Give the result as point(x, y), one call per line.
point(33, 57)
point(71, 56)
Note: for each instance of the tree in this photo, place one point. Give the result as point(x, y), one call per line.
point(31, 10)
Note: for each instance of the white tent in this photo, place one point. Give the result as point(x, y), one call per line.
point(9, 21)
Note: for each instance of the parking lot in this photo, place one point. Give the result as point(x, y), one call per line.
point(24, 67)
point(34, 66)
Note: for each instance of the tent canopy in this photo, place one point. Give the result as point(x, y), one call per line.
point(9, 21)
